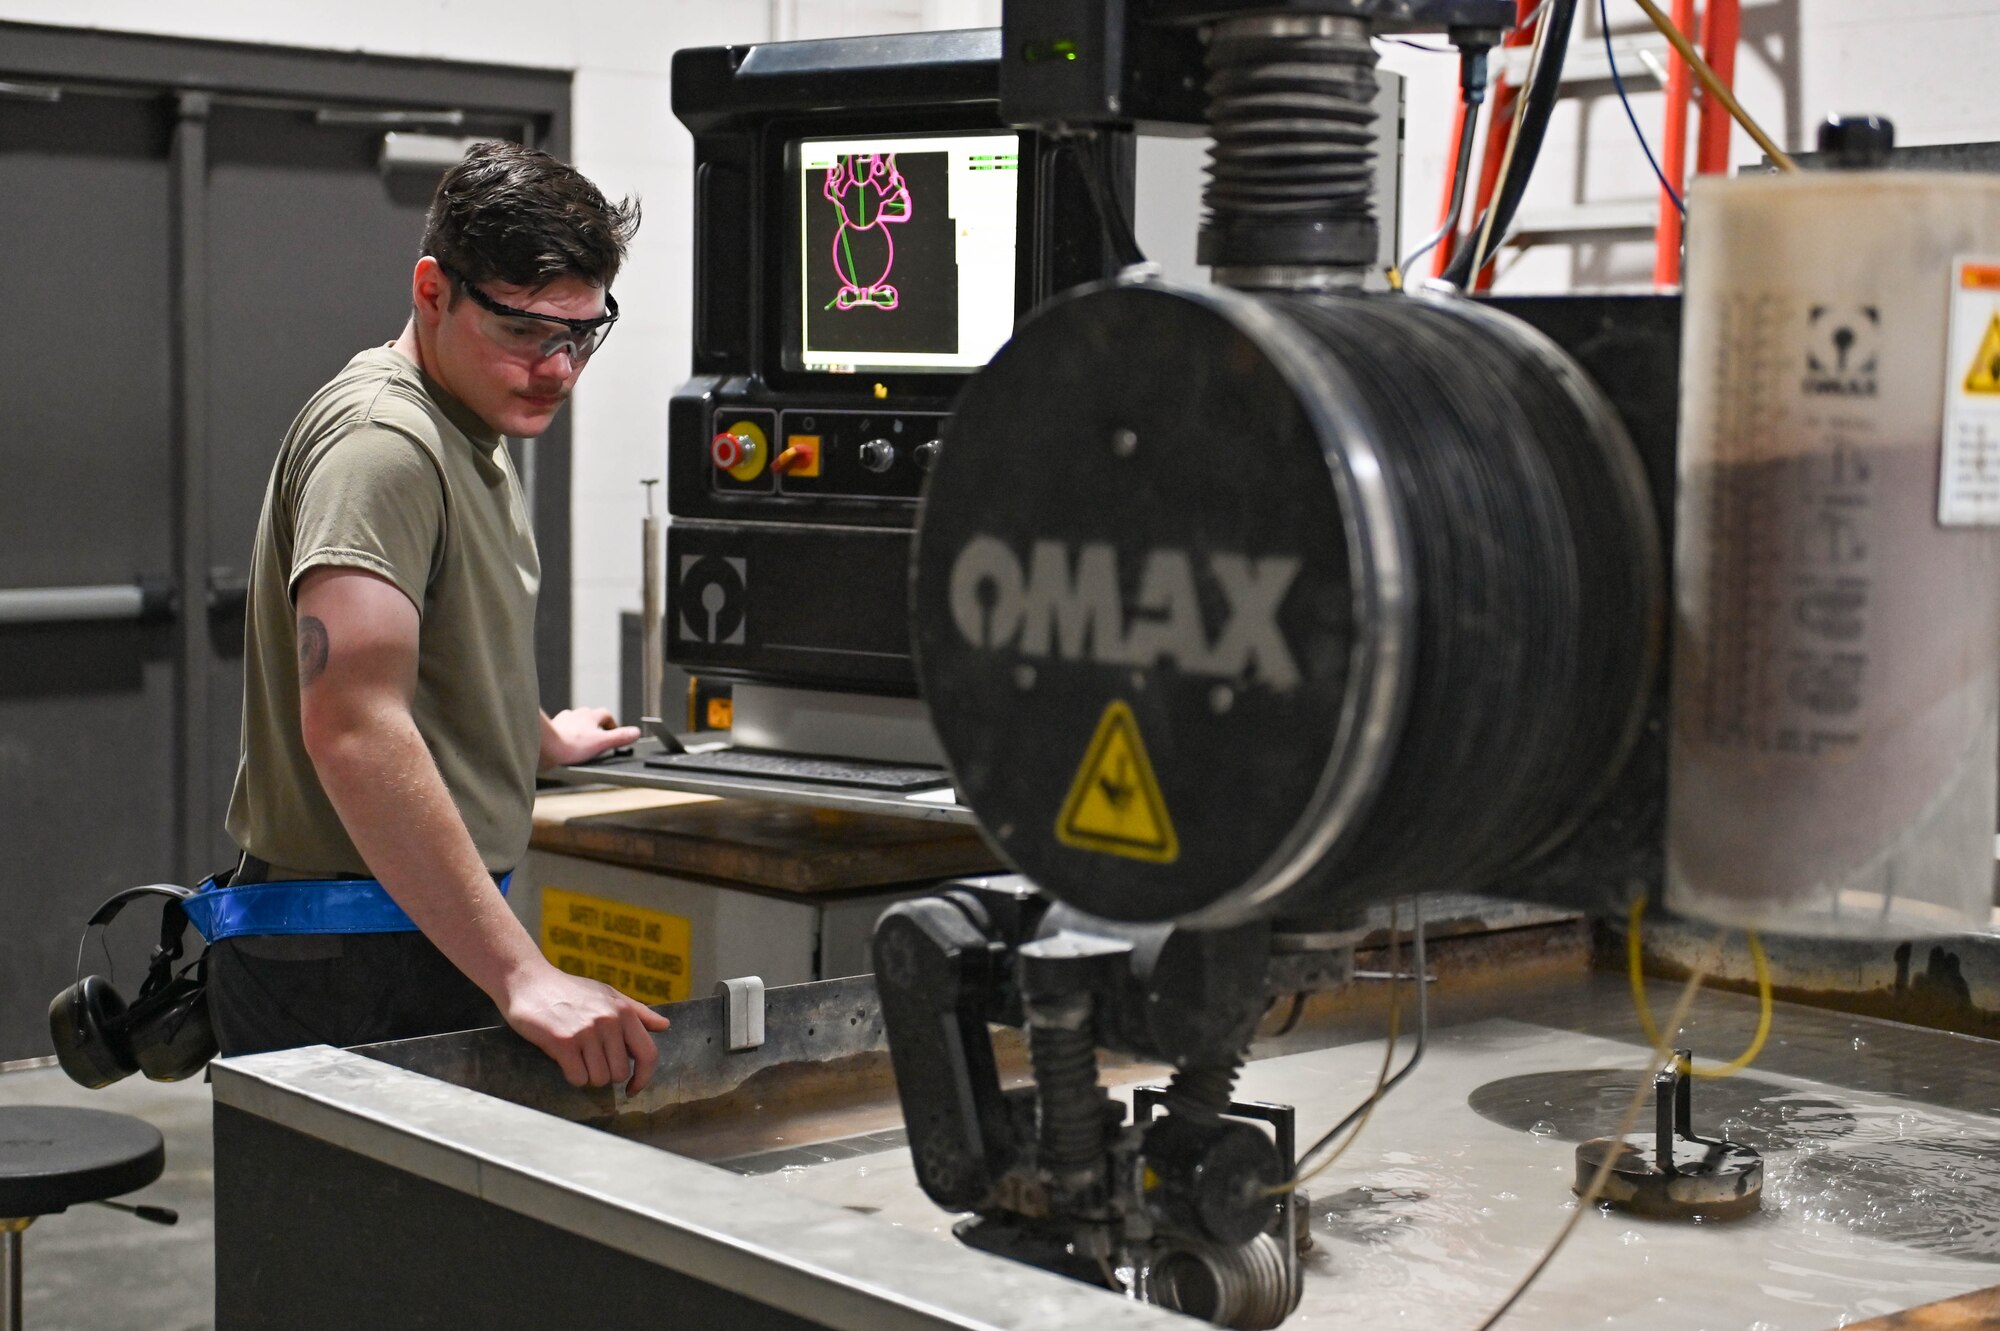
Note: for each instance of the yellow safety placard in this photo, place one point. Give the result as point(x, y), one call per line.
point(641, 953)
point(1969, 459)
point(1984, 376)
point(1115, 805)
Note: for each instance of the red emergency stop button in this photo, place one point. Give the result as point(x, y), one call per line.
point(740, 452)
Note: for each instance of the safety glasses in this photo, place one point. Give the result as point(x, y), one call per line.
point(529, 335)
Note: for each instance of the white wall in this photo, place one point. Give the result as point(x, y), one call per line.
point(1926, 63)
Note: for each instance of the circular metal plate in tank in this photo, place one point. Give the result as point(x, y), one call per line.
point(1711, 1180)
point(1575, 1106)
point(1147, 622)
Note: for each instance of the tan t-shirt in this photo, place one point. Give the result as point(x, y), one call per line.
point(385, 471)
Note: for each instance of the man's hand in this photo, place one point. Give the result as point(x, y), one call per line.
point(580, 734)
point(597, 1035)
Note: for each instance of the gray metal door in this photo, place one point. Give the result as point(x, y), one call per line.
point(197, 236)
point(87, 706)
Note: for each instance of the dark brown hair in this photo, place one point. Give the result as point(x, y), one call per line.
point(512, 214)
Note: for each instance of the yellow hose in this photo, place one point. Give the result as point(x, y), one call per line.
point(1636, 972)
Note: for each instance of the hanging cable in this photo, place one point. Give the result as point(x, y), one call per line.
point(1384, 1083)
point(1291, 1021)
point(1618, 82)
point(1524, 145)
point(1483, 232)
point(1635, 973)
point(1466, 123)
point(1360, 1112)
point(1472, 91)
point(1099, 179)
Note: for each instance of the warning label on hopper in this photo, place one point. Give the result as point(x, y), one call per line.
point(1115, 805)
point(1969, 472)
point(1983, 375)
point(640, 953)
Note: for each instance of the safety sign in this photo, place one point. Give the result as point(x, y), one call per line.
point(1984, 374)
point(640, 953)
point(1115, 805)
point(1969, 467)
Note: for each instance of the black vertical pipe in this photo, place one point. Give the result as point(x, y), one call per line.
point(194, 816)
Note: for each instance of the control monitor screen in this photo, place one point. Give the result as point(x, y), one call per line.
point(907, 251)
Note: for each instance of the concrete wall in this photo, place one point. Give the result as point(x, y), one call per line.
point(1926, 63)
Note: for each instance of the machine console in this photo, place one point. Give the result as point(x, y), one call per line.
point(867, 233)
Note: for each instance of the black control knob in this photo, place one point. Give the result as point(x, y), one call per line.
point(1856, 143)
point(927, 453)
point(878, 455)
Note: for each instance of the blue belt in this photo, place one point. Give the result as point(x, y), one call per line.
point(338, 906)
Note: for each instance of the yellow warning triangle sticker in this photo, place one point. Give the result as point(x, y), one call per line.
point(1115, 805)
point(1984, 376)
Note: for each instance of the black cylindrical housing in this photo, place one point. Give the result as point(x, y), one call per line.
point(1232, 607)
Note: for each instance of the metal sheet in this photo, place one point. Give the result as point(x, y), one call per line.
point(805, 1023)
point(938, 805)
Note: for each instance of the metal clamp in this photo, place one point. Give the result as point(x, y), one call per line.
point(746, 1011)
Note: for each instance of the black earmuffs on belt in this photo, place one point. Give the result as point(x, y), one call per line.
point(165, 1032)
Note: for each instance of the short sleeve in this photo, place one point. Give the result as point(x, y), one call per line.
point(370, 499)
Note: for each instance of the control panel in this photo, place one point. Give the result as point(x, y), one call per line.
point(823, 453)
point(788, 550)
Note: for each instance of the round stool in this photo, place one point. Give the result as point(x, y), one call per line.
point(53, 1158)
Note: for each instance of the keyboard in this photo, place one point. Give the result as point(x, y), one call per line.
point(769, 765)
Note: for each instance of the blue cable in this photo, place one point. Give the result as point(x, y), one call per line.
point(1604, 22)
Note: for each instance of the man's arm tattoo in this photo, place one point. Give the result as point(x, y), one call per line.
point(313, 647)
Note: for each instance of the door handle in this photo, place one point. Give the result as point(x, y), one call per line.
point(144, 600)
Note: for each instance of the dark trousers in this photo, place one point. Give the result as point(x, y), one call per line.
point(280, 992)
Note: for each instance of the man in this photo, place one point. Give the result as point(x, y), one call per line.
point(391, 730)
